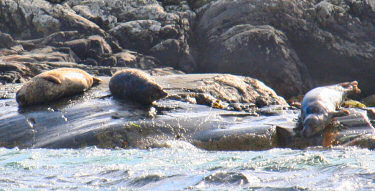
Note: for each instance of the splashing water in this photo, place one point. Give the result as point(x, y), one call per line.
point(179, 165)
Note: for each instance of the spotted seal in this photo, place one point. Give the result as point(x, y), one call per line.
point(134, 84)
point(54, 84)
point(320, 105)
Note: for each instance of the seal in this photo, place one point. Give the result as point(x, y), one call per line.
point(134, 84)
point(320, 105)
point(54, 84)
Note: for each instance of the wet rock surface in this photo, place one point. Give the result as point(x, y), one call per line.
point(96, 118)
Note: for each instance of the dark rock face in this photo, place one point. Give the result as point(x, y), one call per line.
point(259, 52)
point(340, 44)
point(143, 25)
point(31, 19)
point(6, 40)
point(331, 38)
point(95, 30)
point(235, 43)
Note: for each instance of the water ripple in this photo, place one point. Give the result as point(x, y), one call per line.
point(182, 166)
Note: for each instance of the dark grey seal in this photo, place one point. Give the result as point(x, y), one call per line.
point(133, 84)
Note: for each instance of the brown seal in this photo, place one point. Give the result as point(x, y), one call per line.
point(54, 84)
point(135, 85)
point(320, 105)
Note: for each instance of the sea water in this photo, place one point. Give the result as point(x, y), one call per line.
point(181, 166)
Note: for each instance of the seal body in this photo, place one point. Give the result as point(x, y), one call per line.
point(133, 84)
point(321, 104)
point(54, 84)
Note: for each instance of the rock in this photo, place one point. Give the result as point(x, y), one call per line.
point(31, 19)
point(224, 87)
point(146, 27)
point(133, 59)
point(261, 39)
point(142, 25)
point(86, 47)
point(46, 54)
point(173, 53)
point(255, 138)
point(369, 101)
point(15, 72)
point(337, 33)
point(366, 141)
point(54, 39)
point(257, 52)
point(137, 35)
point(6, 41)
point(55, 1)
point(94, 47)
point(195, 4)
point(94, 55)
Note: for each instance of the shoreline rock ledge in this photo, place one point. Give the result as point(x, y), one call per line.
point(96, 118)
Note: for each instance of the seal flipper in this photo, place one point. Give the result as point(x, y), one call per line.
point(52, 79)
point(96, 80)
point(340, 113)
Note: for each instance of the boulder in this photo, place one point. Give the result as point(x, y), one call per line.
point(261, 52)
point(332, 39)
point(6, 41)
point(94, 47)
point(30, 19)
point(146, 27)
point(138, 35)
point(133, 59)
point(230, 42)
point(223, 87)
